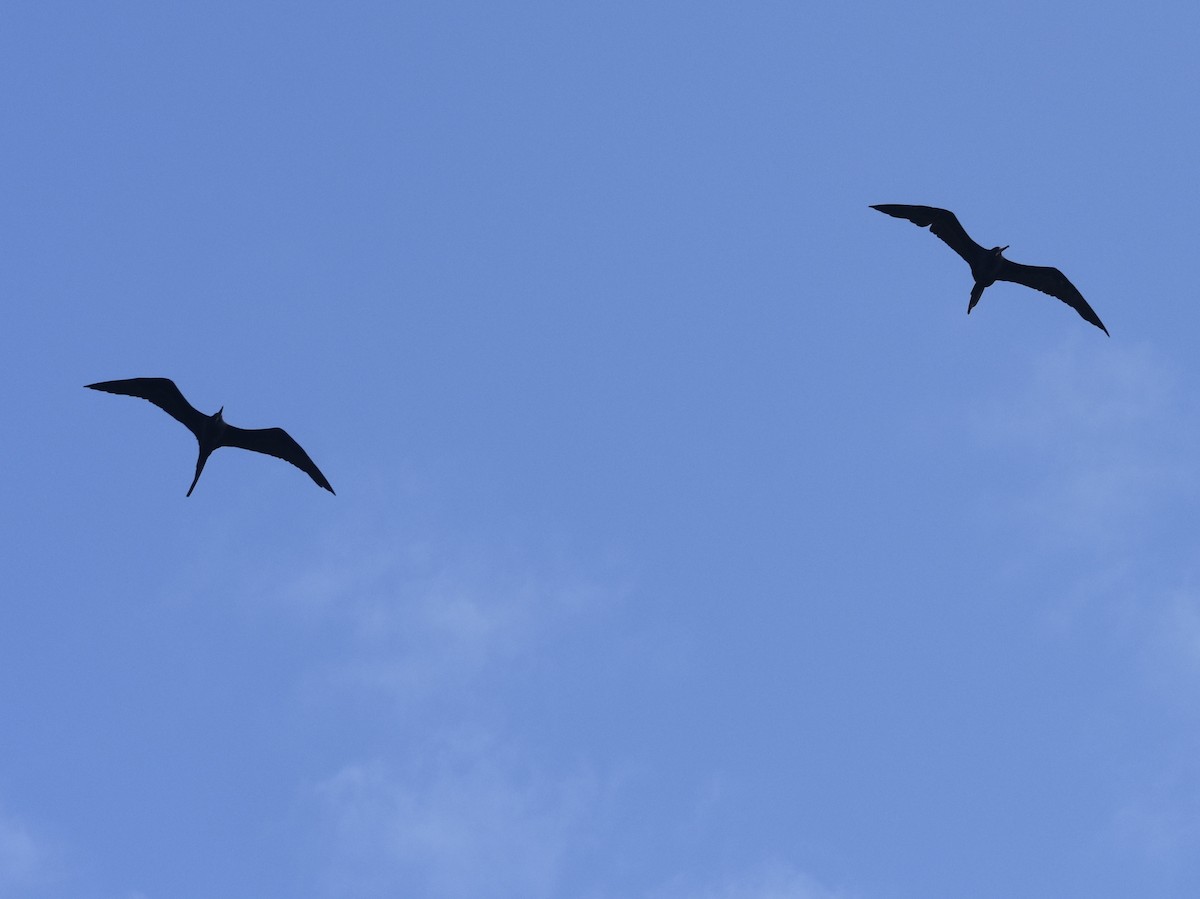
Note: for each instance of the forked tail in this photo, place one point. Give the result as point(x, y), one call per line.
point(199, 468)
point(976, 293)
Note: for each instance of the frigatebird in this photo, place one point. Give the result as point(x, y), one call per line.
point(211, 431)
point(990, 266)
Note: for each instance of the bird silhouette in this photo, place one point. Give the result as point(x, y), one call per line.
point(211, 431)
point(990, 266)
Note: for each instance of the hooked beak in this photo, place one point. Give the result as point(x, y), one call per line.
point(1002, 249)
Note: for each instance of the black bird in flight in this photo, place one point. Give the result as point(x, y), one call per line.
point(989, 266)
point(211, 430)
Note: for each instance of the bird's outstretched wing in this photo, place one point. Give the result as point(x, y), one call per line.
point(274, 442)
point(943, 223)
point(163, 393)
point(1052, 281)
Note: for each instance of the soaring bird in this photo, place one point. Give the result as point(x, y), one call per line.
point(211, 430)
point(990, 266)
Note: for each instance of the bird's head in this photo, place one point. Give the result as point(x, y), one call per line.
point(998, 251)
point(217, 416)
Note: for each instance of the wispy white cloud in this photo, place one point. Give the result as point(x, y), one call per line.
point(20, 856)
point(1158, 824)
point(777, 881)
point(1110, 444)
point(26, 863)
point(419, 624)
point(1154, 828)
point(1074, 391)
point(469, 818)
point(456, 803)
point(1178, 629)
point(459, 802)
point(447, 631)
point(1107, 439)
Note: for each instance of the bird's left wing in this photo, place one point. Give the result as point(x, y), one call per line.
point(274, 442)
point(1052, 281)
point(163, 393)
point(943, 223)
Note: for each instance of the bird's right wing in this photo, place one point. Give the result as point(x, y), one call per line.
point(163, 393)
point(1051, 281)
point(275, 442)
point(943, 223)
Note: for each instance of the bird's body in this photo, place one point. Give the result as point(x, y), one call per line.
point(986, 269)
point(990, 266)
point(212, 431)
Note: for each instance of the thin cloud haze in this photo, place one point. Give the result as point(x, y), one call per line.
point(690, 539)
point(28, 867)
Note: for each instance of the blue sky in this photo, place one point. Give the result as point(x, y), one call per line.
point(690, 541)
